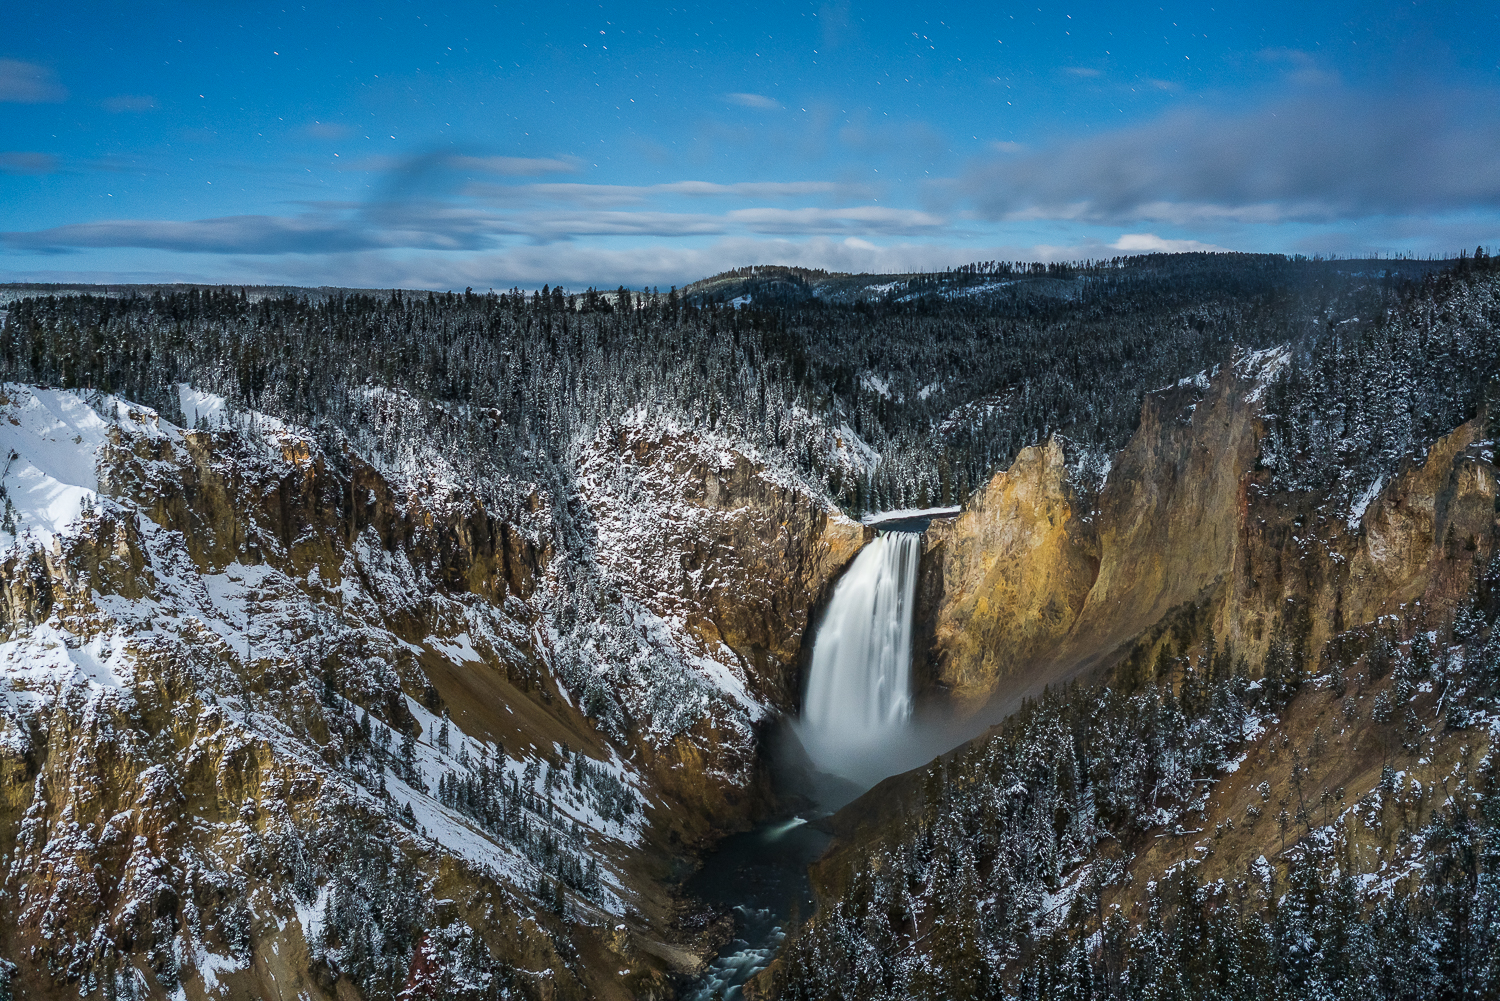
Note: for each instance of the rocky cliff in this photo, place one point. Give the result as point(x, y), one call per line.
point(1006, 580)
point(277, 721)
point(1040, 580)
point(1274, 685)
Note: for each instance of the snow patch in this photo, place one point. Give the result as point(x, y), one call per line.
point(458, 649)
point(1261, 367)
point(876, 384)
point(50, 658)
point(1362, 503)
point(853, 451)
point(49, 451)
point(210, 409)
point(210, 965)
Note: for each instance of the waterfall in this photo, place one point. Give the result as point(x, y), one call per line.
point(859, 686)
point(856, 727)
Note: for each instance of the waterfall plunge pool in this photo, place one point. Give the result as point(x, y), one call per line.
point(761, 878)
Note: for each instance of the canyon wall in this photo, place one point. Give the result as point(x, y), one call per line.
point(1285, 682)
point(269, 707)
point(1037, 582)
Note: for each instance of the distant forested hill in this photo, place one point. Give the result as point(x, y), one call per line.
point(890, 391)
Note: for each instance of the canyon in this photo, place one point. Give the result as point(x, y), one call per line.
point(384, 707)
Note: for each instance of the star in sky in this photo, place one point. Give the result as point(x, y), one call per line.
point(445, 145)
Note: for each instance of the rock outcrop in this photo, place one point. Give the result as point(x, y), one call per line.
point(739, 555)
point(268, 708)
point(1039, 583)
point(1013, 572)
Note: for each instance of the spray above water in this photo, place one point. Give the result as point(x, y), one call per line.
point(858, 702)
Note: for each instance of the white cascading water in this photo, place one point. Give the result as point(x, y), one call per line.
point(859, 686)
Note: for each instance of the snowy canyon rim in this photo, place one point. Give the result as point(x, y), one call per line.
point(245, 627)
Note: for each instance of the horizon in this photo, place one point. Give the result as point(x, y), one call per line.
point(656, 146)
point(573, 293)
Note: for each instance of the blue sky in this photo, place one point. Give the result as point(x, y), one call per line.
point(445, 145)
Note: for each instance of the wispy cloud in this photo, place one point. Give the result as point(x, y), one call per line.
point(1151, 243)
point(430, 225)
point(27, 163)
point(760, 102)
point(602, 195)
point(406, 167)
point(764, 189)
point(129, 102)
point(327, 130)
point(29, 83)
point(435, 202)
point(228, 235)
point(550, 226)
point(1321, 156)
point(910, 138)
point(1302, 67)
point(866, 220)
point(513, 166)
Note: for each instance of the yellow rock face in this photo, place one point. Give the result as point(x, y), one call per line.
point(1037, 583)
point(1016, 568)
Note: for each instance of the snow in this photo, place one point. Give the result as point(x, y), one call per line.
point(49, 447)
point(975, 413)
point(197, 405)
point(904, 514)
point(1053, 907)
point(310, 916)
point(209, 966)
point(1261, 367)
point(458, 649)
point(50, 659)
point(1362, 503)
point(1198, 381)
point(458, 835)
point(876, 384)
point(851, 450)
point(236, 612)
point(649, 519)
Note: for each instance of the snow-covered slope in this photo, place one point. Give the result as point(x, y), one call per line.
point(236, 670)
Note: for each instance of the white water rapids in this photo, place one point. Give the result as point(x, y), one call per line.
point(858, 699)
